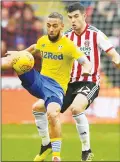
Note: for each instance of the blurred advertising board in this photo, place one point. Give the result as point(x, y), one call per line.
point(17, 105)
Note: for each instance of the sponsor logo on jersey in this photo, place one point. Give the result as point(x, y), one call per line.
point(49, 55)
point(86, 48)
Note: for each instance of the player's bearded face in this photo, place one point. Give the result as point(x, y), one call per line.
point(54, 38)
point(76, 19)
point(54, 27)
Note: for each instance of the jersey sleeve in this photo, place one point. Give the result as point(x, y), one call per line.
point(37, 47)
point(75, 51)
point(103, 42)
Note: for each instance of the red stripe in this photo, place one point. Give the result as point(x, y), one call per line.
point(79, 66)
point(83, 31)
point(109, 49)
point(87, 36)
point(71, 38)
point(96, 58)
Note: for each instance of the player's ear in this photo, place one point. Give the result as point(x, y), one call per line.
point(84, 15)
point(62, 26)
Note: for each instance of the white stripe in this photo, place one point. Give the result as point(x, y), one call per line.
point(91, 54)
point(75, 39)
point(92, 59)
point(92, 92)
point(75, 62)
point(82, 44)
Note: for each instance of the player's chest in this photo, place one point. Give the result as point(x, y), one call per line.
point(52, 52)
point(86, 45)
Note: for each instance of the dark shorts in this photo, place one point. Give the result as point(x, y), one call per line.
point(42, 87)
point(89, 89)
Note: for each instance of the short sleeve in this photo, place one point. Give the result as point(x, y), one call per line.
point(37, 47)
point(75, 51)
point(103, 42)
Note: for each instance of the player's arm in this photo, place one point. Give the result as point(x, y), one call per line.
point(86, 64)
point(82, 59)
point(115, 57)
point(32, 49)
point(6, 63)
point(105, 45)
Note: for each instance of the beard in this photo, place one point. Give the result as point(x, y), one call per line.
point(54, 38)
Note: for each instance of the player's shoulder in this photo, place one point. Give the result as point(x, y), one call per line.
point(67, 32)
point(67, 40)
point(93, 29)
point(44, 37)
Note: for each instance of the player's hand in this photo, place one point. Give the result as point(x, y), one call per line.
point(117, 66)
point(9, 53)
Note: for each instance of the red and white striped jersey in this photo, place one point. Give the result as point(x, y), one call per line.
point(91, 41)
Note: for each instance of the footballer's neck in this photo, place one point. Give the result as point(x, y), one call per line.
point(81, 30)
point(59, 37)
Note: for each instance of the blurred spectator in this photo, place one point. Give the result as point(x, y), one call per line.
point(105, 15)
point(115, 38)
point(5, 16)
point(7, 4)
point(32, 27)
point(3, 48)
point(17, 8)
point(28, 18)
point(20, 43)
point(38, 26)
point(3, 51)
point(9, 34)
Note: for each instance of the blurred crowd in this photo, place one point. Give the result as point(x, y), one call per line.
point(20, 27)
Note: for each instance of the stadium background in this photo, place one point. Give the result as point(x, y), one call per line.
point(22, 23)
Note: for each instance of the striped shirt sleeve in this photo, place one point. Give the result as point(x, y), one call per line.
point(103, 42)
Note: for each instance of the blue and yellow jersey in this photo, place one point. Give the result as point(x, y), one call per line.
point(57, 58)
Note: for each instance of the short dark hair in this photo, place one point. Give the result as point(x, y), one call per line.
point(56, 15)
point(75, 6)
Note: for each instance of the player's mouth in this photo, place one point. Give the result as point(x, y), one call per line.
point(52, 35)
point(73, 25)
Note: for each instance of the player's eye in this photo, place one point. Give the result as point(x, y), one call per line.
point(69, 17)
point(48, 25)
point(76, 16)
point(55, 26)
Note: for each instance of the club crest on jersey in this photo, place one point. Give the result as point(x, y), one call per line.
point(86, 48)
point(59, 47)
point(43, 45)
point(87, 43)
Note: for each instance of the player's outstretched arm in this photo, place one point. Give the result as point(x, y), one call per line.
point(115, 57)
point(6, 63)
point(30, 49)
point(20, 61)
point(86, 64)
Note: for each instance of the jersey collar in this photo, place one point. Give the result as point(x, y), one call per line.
point(83, 31)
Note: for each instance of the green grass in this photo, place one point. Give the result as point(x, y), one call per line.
point(22, 143)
